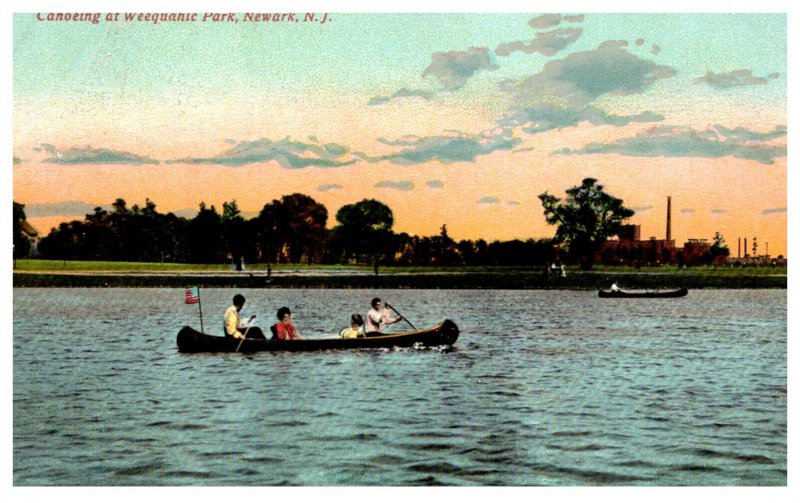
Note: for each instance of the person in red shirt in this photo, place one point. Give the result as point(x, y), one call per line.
point(285, 328)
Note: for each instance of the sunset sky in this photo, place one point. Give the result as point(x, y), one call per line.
point(456, 119)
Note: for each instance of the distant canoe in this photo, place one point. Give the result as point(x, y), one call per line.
point(443, 334)
point(643, 294)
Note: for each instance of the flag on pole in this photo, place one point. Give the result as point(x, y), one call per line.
point(192, 295)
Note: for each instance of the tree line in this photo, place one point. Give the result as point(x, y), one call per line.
point(292, 229)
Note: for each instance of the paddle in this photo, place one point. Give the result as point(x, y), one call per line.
point(401, 314)
point(245, 332)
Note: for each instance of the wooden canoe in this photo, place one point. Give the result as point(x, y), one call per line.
point(643, 294)
point(443, 334)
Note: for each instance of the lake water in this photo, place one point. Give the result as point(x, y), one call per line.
point(542, 388)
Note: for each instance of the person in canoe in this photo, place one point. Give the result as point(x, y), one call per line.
point(379, 317)
point(285, 328)
point(234, 326)
point(356, 328)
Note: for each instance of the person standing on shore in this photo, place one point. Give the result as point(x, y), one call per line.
point(378, 317)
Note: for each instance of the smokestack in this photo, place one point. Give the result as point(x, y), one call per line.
point(745, 247)
point(669, 219)
point(739, 249)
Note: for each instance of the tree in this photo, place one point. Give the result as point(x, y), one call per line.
point(292, 229)
point(585, 219)
point(719, 250)
point(364, 230)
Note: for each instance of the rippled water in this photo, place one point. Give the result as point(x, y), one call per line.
point(542, 388)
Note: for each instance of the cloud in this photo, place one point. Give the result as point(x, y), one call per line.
point(655, 49)
point(403, 185)
point(89, 155)
point(718, 211)
point(582, 77)
point(736, 78)
point(545, 43)
point(455, 147)
point(435, 184)
point(329, 187)
point(488, 201)
point(774, 211)
point(545, 21)
point(402, 93)
point(63, 208)
point(677, 141)
point(687, 211)
point(17, 160)
point(540, 117)
point(453, 69)
point(512, 203)
point(287, 153)
point(642, 209)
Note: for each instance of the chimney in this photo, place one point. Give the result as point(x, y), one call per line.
point(669, 219)
point(745, 247)
point(739, 249)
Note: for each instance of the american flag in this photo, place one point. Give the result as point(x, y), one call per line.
point(192, 295)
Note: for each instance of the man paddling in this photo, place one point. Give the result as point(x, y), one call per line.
point(235, 328)
point(378, 317)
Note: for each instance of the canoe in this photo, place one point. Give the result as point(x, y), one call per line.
point(443, 334)
point(643, 294)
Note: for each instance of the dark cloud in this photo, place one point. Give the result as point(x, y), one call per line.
point(540, 117)
point(402, 93)
point(642, 209)
point(718, 211)
point(435, 184)
point(774, 211)
point(686, 211)
point(287, 153)
point(576, 18)
point(453, 69)
point(488, 200)
point(512, 203)
point(676, 141)
point(545, 43)
point(447, 149)
point(403, 185)
point(329, 187)
point(582, 77)
point(89, 155)
point(63, 208)
point(736, 78)
point(655, 49)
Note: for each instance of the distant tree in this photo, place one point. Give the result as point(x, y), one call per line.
point(292, 229)
point(204, 239)
point(719, 250)
point(585, 219)
point(364, 231)
point(21, 244)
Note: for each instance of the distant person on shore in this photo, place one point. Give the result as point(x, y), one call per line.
point(356, 328)
point(614, 287)
point(285, 328)
point(378, 317)
point(235, 327)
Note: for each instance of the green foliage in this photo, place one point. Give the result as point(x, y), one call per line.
point(585, 219)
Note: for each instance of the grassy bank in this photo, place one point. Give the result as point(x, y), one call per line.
point(34, 273)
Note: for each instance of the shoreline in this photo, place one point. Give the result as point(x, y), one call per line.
point(533, 279)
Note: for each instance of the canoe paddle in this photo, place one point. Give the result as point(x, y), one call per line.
point(401, 314)
point(249, 322)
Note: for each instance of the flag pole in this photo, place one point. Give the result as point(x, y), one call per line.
point(200, 306)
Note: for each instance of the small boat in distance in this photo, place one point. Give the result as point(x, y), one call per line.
point(192, 341)
point(643, 294)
